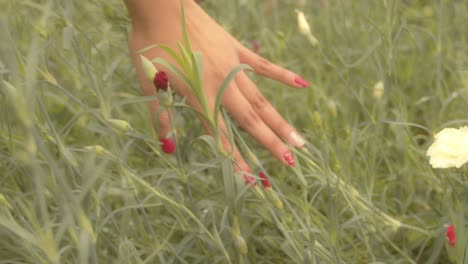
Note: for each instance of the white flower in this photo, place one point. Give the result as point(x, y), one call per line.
point(304, 28)
point(378, 90)
point(302, 23)
point(450, 148)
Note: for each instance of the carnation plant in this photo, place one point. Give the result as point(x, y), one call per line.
point(83, 178)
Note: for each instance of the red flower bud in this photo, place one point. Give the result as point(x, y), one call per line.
point(450, 233)
point(161, 81)
point(265, 181)
point(168, 145)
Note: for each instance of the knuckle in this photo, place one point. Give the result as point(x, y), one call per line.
point(274, 142)
point(285, 74)
point(250, 119)
point(263, 65)
point(227, 145)
point(259, 102)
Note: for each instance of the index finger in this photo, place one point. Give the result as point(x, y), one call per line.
point(264, 67)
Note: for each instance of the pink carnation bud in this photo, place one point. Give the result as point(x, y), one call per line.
point(450, 233)
point(265, 181)
point(161, 81)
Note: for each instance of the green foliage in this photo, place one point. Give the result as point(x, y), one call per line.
point(74, 189)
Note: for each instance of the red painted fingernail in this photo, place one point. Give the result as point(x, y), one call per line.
point(265, 181)
point(450, 234)
point(168, 145)
point(289, 158)
point(249, 179)
point(301, 82)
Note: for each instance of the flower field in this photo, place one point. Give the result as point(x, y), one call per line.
point(382, 178)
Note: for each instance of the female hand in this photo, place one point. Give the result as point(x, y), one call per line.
point(159, 22)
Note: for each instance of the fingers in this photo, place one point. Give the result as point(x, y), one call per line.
point(162, 124)
point(267, 112)
point(264, 67)
point(248, 118)
point(241, 167)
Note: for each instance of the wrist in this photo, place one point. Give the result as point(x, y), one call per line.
point(145, 14)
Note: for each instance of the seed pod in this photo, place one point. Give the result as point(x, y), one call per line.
point(148, 68)
point(317, 120)
point(378, 91)
point(332, 108)
point(18, 102)
point(85, 224)
point(98, 149)
point(273, 197)
point(235, 226)
point(120, 125)
point(240, 245)
point(47, 76)
point(258, 191)
point(239, 241)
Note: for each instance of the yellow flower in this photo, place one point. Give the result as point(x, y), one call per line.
point(120, 125)
point(450, 148)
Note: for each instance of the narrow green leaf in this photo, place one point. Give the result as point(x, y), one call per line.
point(229, 133)
point(437, 246)
point(148, 48)
point(210, 141)
point(137, 99)
point(224, 86)
point(197, 58)
point(187, 61)
point(174, 55)
point(229, 184)
point(184, 28)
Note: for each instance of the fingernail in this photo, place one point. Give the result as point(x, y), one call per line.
point(301, 82)
point(289, 158)
point(296, 140)
point(168, 145)
point(265, 181)
point(248, 178)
